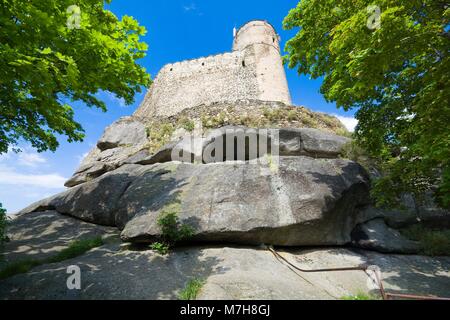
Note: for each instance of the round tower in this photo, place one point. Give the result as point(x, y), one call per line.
point(258, 38)
point(254, 32)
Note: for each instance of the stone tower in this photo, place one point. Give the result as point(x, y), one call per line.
point(261, 38)
point(252, 71)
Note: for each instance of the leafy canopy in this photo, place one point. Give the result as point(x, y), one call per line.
point(3, 225)
point(394, 68)
point(48, 58)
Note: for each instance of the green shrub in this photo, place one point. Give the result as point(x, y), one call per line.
point(432, 242)
point(161, 248)
point(191, 290)
point(3, 225)
point(344, 132)
point(355, 152)
point(219, 120)
point(172, 230)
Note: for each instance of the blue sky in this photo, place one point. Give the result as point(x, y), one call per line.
point(176, 30)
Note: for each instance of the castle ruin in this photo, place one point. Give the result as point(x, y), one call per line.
point(253, 71)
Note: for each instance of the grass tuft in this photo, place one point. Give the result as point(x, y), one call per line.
point(18, 267)
point(191, 290)
point(75, 249)
point(360, 296)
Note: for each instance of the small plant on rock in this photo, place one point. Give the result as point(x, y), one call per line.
point(191, 290)
point(172, 230)
point(160, 247)
point(360, 296)
point(187, 124)
point(159, 134)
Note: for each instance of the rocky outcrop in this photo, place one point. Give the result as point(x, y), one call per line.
point(125, 132)
point(294, 192)
point(288, 142)
point(131, 139)
point(114, 271)
point(376, 235)
point(305, 202)
point(413, 212)
point(95, 201)
point(123, 139)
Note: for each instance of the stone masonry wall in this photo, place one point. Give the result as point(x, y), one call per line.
point(201, 81)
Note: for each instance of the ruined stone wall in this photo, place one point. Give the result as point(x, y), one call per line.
point(252, 71)
point(201, 81)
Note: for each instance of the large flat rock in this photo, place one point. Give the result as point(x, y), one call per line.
point(306, 201)
point(113, 271)
point(376, 235)
point(229, 273)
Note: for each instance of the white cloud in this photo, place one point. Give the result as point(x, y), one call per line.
point(27, 157)
point(26, 177)
point(112, 98)
point(30, 159)
point(349, 122)
point(191, 7)
point(9, 176)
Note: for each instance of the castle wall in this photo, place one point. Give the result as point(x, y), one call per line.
point(201, 81)
point(253, 71)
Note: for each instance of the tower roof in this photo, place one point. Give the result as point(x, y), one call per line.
point(256, 20)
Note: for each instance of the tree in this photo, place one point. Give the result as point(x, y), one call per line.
point(3, 224)
point(53, 52)
point(389, 60)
